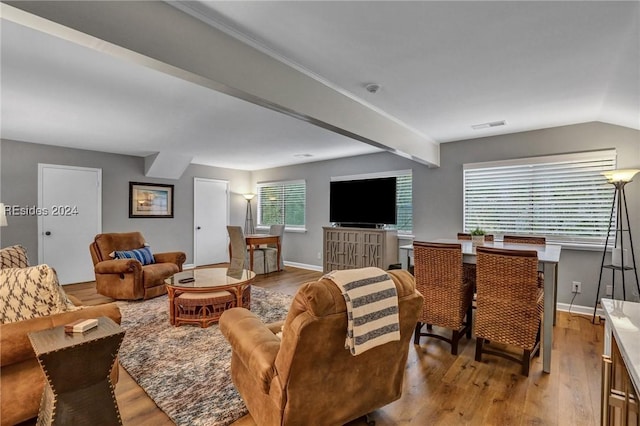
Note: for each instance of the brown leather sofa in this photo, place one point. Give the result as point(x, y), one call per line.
point(21, 378)
point(128, 279)
point(308, 377)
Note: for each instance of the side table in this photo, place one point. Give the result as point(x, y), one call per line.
point(77, 367)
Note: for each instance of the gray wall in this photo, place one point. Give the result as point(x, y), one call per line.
point(19, 174)
point(437, 192)
point(305, 247)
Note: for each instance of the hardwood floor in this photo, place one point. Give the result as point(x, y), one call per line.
point(442, 389)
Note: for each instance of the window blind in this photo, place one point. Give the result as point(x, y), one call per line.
point(282, 203)
point(404, 203)
point(563, 197)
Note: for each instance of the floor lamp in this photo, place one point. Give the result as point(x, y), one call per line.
point(619, 260)
point(248, 220)
point(3, 216)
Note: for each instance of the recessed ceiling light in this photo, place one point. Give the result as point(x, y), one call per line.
point(488, 125)
point(303, 155)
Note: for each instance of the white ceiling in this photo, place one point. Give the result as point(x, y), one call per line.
point(442, 67)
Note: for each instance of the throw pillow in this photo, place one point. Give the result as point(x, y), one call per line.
point(113, 253)
point(31, 292)
point(143, 255)
point(13, 257)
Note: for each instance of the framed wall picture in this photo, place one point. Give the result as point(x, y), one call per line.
point(150, 200)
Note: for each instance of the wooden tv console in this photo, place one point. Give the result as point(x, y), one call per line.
point(348, 248)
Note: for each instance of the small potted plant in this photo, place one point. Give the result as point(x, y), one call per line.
point(477, 236)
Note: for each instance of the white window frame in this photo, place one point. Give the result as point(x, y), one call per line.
point(378, 175)
point(288, 227)
point(535, 185)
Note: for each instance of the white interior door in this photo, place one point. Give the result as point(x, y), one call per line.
point(70, 199)
point(211, 216)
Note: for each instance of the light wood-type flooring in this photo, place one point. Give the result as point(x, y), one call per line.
point(442, 389)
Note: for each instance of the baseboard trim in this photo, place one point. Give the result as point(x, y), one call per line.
point(188, 266)
point(304, 266)
point(578, 309)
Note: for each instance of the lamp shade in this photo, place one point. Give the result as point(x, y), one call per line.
point(620, 175)
point(3, 216)
point(249, 196)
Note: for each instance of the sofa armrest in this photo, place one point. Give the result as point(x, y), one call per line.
point(176, 257)
point(275, 327)
point(14, 341)
point(253, 342)
point(75, 300)
point(118, 266)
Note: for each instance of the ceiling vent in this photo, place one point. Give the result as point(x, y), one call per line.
point(372, 87)
point(488, 125)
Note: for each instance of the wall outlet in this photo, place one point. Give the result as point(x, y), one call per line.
point(319, 255)
point(576, 287)
point(608, 290)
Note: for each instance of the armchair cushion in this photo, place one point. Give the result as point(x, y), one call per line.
point(31, 292)
point(156, 274)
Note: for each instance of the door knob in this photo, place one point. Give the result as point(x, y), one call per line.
point(47, 233)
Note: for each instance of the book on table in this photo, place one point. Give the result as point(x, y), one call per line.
point(81, 325)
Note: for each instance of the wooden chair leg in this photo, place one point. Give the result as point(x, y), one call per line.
point(526, 362)
point(416, 334)
point(479, 343)
point(455, 338)
point(469, 321)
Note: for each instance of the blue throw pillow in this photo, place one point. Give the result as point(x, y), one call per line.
point(143, 255)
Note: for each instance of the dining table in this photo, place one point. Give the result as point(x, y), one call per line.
point(548, 258)
point(256, 240)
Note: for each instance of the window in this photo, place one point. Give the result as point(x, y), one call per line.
point(282, 203)
point(563, 197)
point(404, 196)
point(404, 203)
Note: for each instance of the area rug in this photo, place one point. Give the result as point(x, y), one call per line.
point(185, 370)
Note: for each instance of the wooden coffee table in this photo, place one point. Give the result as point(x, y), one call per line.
point(212, 291)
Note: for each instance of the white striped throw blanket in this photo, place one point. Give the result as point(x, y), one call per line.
point(372, 307)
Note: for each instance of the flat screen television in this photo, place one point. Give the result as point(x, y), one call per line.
point(363, 203)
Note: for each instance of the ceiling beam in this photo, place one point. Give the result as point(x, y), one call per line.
point(159, 36)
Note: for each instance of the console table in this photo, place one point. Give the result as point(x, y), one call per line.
point(348, 248)
point(77, 366)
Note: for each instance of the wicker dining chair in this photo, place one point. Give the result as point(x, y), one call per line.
point(447, 297)
point(522, 239)
point(469, 269)
point(509, 303)
point(527, 239)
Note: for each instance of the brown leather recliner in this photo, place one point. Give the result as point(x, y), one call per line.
point(127, 278)
point(309, 377)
